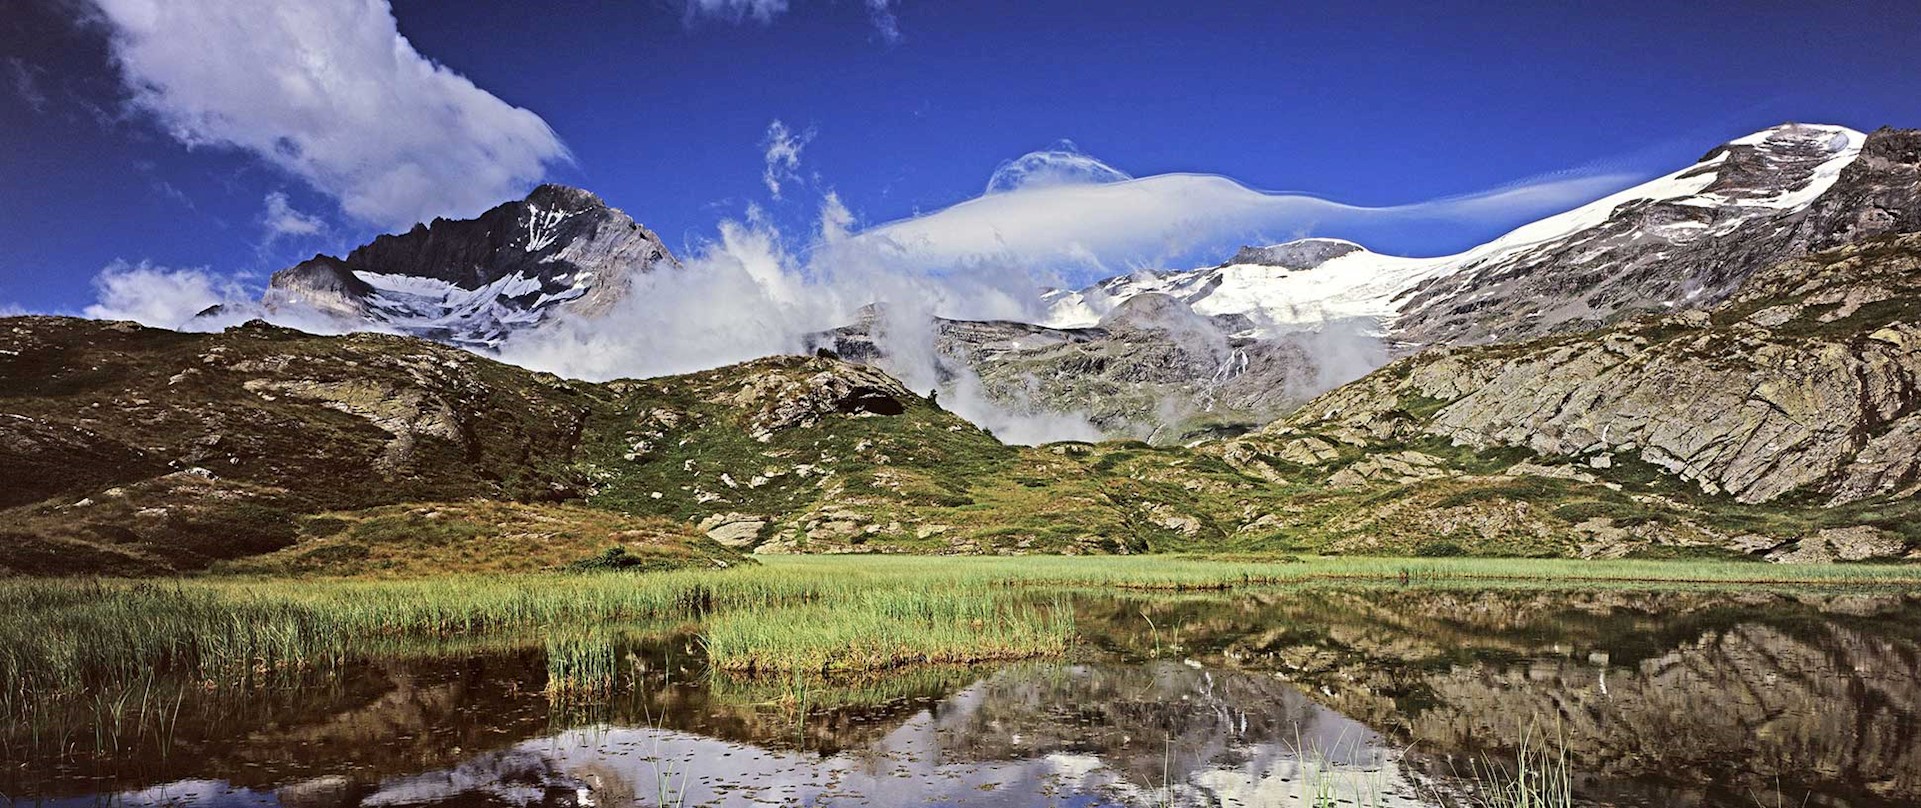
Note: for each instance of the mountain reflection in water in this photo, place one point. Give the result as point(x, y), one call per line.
point(1250, 698)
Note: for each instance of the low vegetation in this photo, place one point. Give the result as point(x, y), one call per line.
point(805, 613)
point(484, 537)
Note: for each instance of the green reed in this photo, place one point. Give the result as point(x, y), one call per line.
point(582, 665)
point(803, 613)
point(888, 628)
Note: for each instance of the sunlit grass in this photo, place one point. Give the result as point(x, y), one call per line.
point(888, 628)
point(799, 613)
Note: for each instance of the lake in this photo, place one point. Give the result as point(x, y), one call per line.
point(1308, 695)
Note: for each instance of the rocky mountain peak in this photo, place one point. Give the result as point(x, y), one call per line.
point(1302, 253)
point(1762, 167)
point(473, 281)
point(564, 198)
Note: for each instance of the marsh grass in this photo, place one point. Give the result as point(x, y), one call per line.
point(788, 614)
point(582, 664)
point(889, 628)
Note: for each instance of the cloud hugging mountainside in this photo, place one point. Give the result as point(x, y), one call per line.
point(545, 281)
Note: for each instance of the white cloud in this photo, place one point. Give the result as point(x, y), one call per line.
point(781, 153)
point(329, 91)
point(1166, 217)
point(283, 220)
point(1063, 164)
point(158, 296)
point(748, 295)
point(755, 292)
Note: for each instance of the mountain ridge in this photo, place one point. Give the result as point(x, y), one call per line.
point(474, 281)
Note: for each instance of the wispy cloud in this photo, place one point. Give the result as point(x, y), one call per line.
point(762, 11)
point(331, 92)
point(781, 153)
point(879, 12)
point(25, 79)
point(282, 220)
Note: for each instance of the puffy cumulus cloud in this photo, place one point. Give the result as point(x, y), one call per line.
point(329, 91)
point(282, 219)
point(1062, 164)
point(780, 152)
point(1163, 218)
point(158, 296)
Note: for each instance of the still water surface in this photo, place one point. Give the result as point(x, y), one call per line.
point(1251, 698)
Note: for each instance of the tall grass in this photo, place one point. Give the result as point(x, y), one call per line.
point(888, 628)
point(582, 664)
point(787, 614)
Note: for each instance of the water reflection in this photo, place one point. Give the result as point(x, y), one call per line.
point(1163, 733)
point(1242, 699)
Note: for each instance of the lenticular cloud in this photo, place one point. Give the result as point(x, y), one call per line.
point(1063, 164)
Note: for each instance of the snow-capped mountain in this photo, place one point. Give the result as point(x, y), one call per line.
point(1685, 239)
point(1299, 285)
point(1174, 353)
point(474, 281)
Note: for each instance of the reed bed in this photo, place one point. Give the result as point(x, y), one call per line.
point(887, 629)
point(582, 665)
point(801, 613)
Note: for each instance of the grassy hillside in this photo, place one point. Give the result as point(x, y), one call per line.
point(407, 541)
point(1781, 425)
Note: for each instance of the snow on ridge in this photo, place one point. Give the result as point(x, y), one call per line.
point(1365, 284)
point(417, 304)
point(543, 226)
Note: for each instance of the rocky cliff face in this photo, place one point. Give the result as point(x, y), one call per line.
point(1809, 381)
point(1802, 390)
point(472, 281)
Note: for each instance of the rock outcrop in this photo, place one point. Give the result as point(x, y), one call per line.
point(474, 281)
point(1802, 391)
point(1808, 381)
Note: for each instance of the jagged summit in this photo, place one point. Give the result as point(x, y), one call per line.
point(474, 281)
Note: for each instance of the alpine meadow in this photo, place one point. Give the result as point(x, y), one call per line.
point(762, 402)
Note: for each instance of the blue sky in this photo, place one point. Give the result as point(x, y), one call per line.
point(896, 107)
